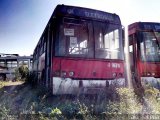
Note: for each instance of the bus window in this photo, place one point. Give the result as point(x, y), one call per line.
point(149, 47)
point(9, 64)
point(107, 41)
point(73, 38)
point(2, 63)
point(14, 64)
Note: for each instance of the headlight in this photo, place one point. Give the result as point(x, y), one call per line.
point(71, 73)
point(148, 74)
point(153, 74)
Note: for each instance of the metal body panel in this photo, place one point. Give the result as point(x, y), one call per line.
point(70, 86)
point(88, 69)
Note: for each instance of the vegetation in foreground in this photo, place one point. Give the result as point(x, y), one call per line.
point(23, 101)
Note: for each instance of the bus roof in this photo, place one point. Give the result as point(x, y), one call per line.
point(64, 10)
point(144, 26)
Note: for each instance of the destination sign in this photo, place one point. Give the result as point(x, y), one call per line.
point(150, 26)
point(99, 16)
point(87, 13)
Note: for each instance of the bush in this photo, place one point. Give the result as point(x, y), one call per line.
point(151, 100)
point(69, 109)
point(55, 112)
point(4, 112)
point(21, 73)
point(1, 84)
point(129, 103)
point(24, 71)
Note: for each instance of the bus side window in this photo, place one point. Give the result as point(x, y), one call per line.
point(131, 54)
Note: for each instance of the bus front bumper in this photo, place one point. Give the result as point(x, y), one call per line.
point(70, 86)
point(150, 81)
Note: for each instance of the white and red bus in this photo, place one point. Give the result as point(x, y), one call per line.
point(80, 51)
point(144, 48)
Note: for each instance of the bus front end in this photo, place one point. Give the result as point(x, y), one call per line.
point(145, 43)
point(72, 76)
point(88, 53)
point(150, 58)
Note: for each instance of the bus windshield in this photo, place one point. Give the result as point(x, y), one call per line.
point(149, 46)
point(89, 39)
point(108, 41)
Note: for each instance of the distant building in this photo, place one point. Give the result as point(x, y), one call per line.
point(9, 62)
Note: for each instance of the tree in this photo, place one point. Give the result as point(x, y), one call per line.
point(21, 73)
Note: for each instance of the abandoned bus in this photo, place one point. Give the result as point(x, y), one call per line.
point(80, 51)
point(144, 44)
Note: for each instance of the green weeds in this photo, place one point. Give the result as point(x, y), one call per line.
point(39, 104)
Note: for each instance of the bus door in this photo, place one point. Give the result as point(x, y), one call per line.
point(133, 55)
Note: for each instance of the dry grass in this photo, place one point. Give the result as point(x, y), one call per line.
point(21, 98)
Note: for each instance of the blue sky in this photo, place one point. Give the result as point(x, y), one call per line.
point(23, 21)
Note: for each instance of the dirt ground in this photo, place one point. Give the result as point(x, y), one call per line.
point(16, 96)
